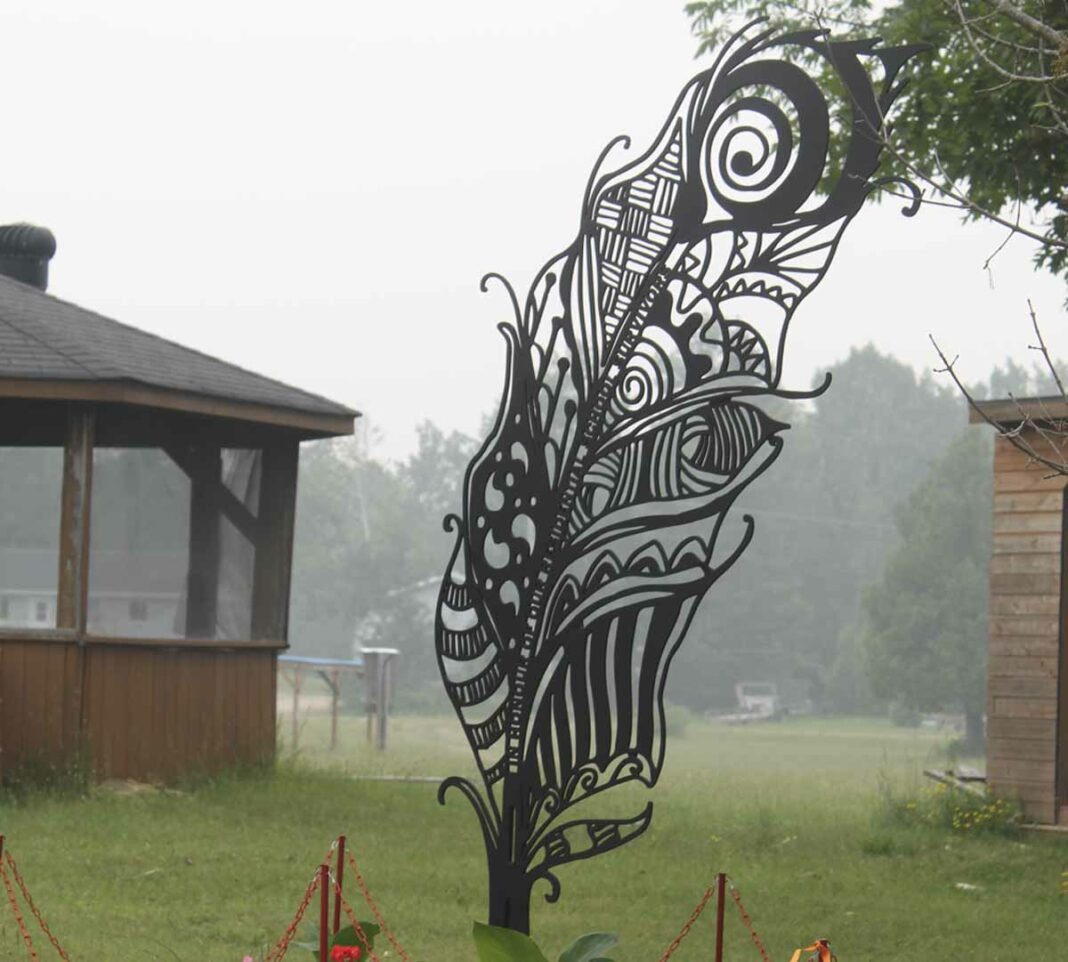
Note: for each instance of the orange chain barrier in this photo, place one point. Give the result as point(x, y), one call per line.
point(749, 924)
point(372, 905)
point(685, 930)
point(18, 915)
point(360, 934)
point(33, 908)
point(282, 945)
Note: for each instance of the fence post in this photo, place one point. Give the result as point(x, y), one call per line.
point(296, 704)
point(385, 673)
point(335, 694)
point(721, 892)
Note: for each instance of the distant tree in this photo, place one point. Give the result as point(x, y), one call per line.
point(370, 548)
point(434, 473)
point(925, 627)
point(353, 545)
point(824, 525)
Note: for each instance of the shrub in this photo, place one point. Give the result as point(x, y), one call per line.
point(942, 806)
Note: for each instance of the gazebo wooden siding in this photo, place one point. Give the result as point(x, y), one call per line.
point(136, 707)
point(1026, 691)
point(133, 712)
point(196, 700)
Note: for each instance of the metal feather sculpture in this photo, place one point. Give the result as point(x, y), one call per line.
point(629, 425)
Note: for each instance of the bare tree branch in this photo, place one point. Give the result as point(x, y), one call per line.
point(1041, 346)
point(1035, 27)
point(1010, 75)
point(1057, 438)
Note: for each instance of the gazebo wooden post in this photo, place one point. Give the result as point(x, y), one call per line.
point(202, 593)
point(274, 542)
point(72, 591)
point(73, 585)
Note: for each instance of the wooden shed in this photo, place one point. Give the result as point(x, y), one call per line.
point(147, 496)
point(1027, 687)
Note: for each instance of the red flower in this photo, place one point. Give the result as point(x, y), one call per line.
point(345, 953)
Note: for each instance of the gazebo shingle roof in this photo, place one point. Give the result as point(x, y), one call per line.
point(45, 338)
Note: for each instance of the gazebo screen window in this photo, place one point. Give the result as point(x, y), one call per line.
point(172, 542)
point(30, 498)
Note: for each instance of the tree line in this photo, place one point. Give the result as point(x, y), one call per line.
point(865, 585)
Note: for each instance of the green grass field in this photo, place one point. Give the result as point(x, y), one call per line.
point(792, 811)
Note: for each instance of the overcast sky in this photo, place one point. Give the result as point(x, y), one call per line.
point(313, 190)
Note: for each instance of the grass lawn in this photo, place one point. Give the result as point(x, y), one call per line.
point(792, 811)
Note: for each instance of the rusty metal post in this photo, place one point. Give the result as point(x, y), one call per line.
point(721, 899)
point(340, 877)
point(324, 910)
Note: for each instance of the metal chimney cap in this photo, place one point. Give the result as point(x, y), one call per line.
point(27, 240)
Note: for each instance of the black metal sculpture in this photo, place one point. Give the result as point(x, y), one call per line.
point(626, 431)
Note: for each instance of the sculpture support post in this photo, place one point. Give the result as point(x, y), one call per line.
point(509, 895)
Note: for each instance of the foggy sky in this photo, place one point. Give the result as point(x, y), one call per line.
point(313, 190)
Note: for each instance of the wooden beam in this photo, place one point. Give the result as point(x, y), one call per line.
point(311, 423)
point(32, 423)
point(274, 549)
point(1007, 411)
point(179, 644)
point(224, 500)
point(59, 636)
point(126, 426)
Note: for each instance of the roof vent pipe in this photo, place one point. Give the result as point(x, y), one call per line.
point(25, 251)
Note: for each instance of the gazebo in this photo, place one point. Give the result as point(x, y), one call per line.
point(1027, 687)
point(145, 561)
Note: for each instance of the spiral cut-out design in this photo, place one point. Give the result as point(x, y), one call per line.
point(751, 146)
point(765, 148)
point(655, 372)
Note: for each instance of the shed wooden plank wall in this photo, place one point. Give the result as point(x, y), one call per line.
point(1025, 633)
point(145, 712)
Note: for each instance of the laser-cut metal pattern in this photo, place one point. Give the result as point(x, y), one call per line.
point(629, 424)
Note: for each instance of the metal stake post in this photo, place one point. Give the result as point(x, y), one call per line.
point(721, 892)
point(340, 876)
point(324, 910)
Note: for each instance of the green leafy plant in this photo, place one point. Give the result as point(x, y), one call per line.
point(496, 944)
point(345, 939)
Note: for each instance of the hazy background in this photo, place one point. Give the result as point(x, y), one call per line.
point(313, 191)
